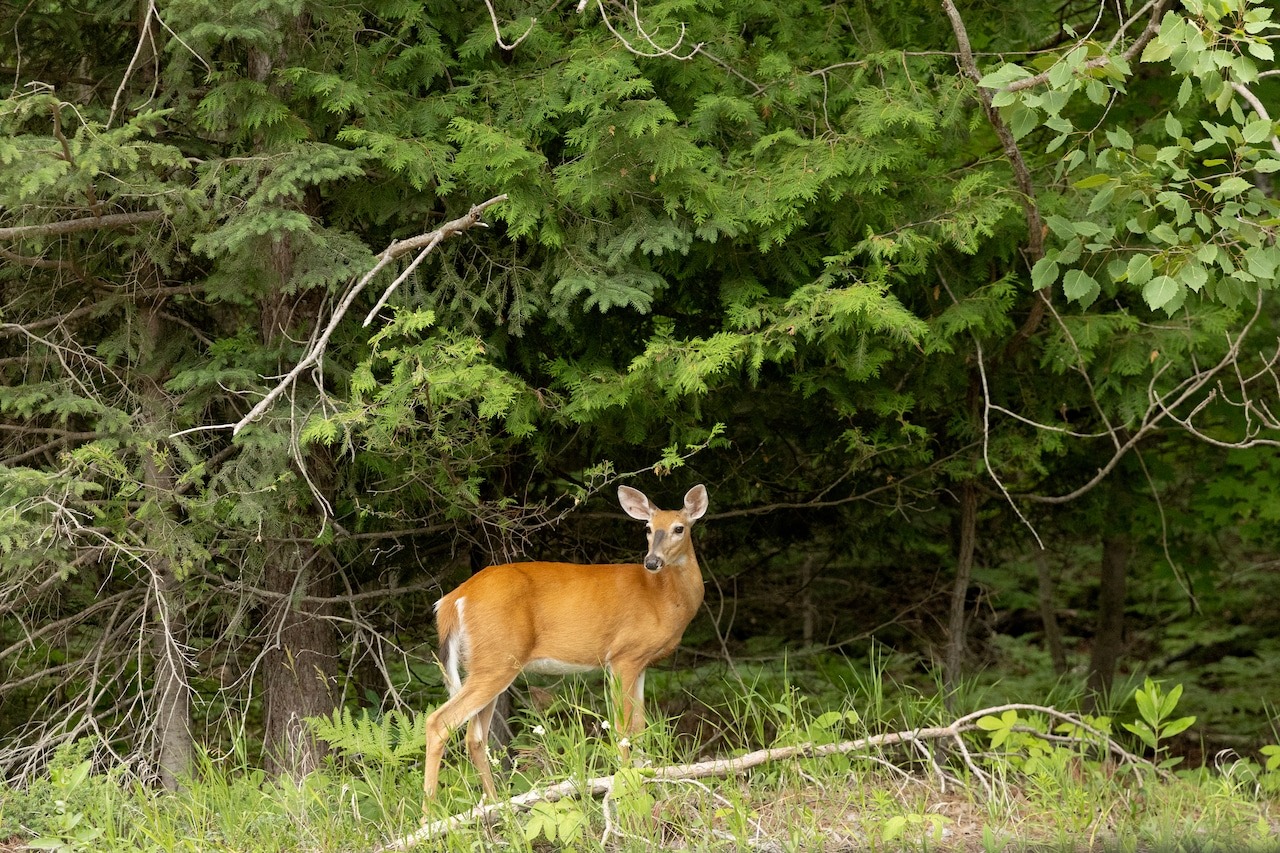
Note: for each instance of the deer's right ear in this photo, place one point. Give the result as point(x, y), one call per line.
point(635, 504)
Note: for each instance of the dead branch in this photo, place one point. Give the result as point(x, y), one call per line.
point(725, 767)
point(88, 223)
point(647, 37)
point(497, 29)
point(425, 242)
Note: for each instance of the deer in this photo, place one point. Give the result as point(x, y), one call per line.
point(559, 618)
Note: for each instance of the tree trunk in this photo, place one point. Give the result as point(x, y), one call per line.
point(300, 661)
point(174, 746)
point(956, 625)
point(172, 717)
point(1049, 612)
point(1108, 640)
point(300, 665)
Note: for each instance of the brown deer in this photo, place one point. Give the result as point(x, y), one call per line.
point(561, 618)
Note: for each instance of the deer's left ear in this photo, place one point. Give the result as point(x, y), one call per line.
point(695, 502)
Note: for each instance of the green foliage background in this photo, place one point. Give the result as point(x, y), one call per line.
point(780, 248)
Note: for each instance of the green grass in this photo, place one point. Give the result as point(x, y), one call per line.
point(1038, 794)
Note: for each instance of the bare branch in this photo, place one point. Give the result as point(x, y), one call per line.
point(395, 250)
point(497, 31)
point(1161, 407)
point(658, 50)
point(146, 39)
point(71, 226)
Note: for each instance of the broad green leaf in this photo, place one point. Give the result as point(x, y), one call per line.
point(1194, 276)
point(1177, 726)
point(1022, 120)
point(1071, 250)
point(1158, 292)
point(1093, 181)
point(1143, 731)
point(1004, 75)
point(1139, 269)
point(1232, 187)
point(1120, 138)
point(1170, 701)
point(1079, 286)
point(1257, 131)
point(1064, 228)
point(1156, 51)
point(1043, 274)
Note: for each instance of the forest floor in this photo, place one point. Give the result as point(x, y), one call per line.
point(1011, 777)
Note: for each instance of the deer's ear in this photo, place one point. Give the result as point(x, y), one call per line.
point(635, 504)
point(695, 502)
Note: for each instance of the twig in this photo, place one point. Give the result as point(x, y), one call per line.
point(144, 39)
point(658, 50)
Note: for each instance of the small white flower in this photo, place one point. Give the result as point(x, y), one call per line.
point(625, 743)
point(539, 730)
point(604, 724)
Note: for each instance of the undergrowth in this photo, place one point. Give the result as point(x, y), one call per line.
point(1028, 781)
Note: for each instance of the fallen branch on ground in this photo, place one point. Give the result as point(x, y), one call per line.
point(726, 767)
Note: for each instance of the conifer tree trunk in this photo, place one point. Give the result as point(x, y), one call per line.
point(174, 746)
point(300, 664)
point(171, 719)
point(300, 661)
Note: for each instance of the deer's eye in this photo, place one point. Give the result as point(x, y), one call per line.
point(648, 528)
point(678, 529)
